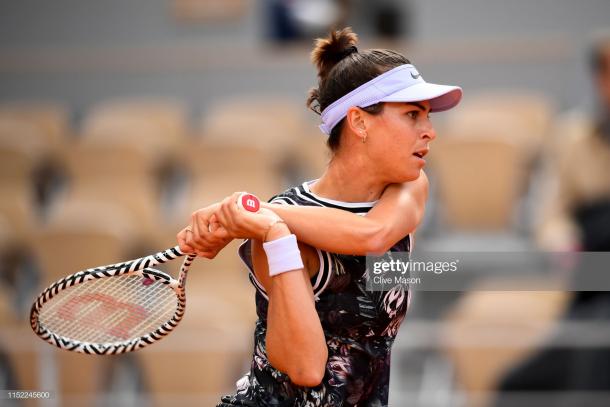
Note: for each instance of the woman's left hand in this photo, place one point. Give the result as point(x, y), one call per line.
point(242, 224)
point(203, 236)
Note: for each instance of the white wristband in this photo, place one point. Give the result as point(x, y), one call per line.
point(283, 255)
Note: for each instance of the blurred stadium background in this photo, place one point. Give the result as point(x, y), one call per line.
point(119, 118)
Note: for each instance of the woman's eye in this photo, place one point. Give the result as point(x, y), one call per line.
point(413, 114)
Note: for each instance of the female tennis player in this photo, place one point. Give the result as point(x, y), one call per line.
point(322, 339)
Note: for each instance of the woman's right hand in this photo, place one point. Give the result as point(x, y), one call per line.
point(242, 224)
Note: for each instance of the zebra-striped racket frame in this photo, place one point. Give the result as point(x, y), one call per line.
point(140, 267)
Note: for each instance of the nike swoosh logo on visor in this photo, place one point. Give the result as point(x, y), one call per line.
point(415, 76)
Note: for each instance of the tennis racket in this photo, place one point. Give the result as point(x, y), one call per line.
point(116, 308)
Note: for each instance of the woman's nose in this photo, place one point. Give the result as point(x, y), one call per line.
point(429, 132)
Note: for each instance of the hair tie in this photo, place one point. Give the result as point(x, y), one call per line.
point(348, 51)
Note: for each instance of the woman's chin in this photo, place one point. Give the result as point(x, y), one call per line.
point(410, 175)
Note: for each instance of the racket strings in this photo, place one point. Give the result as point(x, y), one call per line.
point(112, 309)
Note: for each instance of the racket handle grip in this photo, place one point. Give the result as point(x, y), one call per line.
point(248, 202)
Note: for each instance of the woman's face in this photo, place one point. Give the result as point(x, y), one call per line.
point(399, 138)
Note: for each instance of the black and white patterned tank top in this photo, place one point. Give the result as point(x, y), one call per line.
point(359, 326)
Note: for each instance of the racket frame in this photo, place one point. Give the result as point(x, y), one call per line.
point(137, 267)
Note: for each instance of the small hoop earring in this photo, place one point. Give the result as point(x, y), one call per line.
point(363, 137)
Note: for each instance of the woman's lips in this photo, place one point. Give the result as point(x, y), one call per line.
point(419, 159)
point(420, 154)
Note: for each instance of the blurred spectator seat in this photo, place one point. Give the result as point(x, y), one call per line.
point(522, 116)
point(42, 129)
point(488, 332)
point(21, 151)
point(218, 169)
point(150, 131)
point(78, 377)
point(216, 157)
point(16, 204)
point(50, 119)
point(120, 175)
point(26, 143)
point(196, 376)
point(271, 123)
point(88, 161)
point(79, 236)
point(159, 125)
point(209, 10)
point(210, 349)
point(480, 181)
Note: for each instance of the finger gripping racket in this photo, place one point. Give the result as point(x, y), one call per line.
point(115, 308)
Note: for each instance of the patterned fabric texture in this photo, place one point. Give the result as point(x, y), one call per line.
point(359, 325)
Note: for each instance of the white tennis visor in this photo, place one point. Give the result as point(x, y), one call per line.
point(401, 84)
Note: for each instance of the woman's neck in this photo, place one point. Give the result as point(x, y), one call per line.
point(348, 180)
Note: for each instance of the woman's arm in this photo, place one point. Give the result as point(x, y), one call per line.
point(295, 340)
point(398, 213)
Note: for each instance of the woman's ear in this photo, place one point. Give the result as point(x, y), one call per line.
point(356, 121)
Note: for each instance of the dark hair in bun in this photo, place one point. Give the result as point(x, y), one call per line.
point(341, 69)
